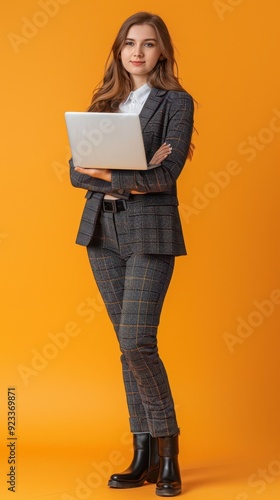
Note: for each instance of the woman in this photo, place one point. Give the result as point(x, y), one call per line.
point(132, 232)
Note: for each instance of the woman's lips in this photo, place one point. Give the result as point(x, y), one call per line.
point(137, 63)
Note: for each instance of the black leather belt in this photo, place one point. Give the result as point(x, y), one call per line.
point(114, 206)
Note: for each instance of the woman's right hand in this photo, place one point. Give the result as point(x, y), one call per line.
point(160, 155)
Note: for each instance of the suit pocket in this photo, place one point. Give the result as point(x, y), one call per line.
point(156, 229)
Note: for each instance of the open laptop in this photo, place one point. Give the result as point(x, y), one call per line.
point(106, 140)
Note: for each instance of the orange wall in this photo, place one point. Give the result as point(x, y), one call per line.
point(220, 326)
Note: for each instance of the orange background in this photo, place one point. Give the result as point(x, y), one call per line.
point(220, 346)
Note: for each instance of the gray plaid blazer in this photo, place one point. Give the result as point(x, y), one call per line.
point(155, 227)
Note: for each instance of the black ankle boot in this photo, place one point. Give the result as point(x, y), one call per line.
point(144, 465)
point(169, 480)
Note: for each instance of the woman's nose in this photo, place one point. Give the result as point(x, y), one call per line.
point(138, 52)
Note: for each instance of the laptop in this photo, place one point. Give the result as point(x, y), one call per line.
point(106, 140)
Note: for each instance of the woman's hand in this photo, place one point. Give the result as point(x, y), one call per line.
point(98, 173)
point(161, 154)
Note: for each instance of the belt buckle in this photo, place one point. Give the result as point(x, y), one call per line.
point(109, 206)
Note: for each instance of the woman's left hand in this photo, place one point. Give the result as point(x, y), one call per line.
point(98, 173)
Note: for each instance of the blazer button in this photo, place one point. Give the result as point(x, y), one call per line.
point(121, 191)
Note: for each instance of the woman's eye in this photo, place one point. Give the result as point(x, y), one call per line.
point(130, 43)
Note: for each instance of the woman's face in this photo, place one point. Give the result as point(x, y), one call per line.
point(140, 53)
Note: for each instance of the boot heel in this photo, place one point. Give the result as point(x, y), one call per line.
point(152, 476)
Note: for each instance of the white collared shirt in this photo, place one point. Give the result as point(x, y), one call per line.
point(136, 100)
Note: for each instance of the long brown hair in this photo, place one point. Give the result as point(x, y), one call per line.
point(117, 83)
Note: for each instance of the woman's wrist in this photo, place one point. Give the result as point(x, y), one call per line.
point(97, 173)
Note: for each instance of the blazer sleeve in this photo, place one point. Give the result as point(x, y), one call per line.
point(92, 184)
point(178, 134)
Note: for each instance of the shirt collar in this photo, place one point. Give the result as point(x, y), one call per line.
point(140, 95)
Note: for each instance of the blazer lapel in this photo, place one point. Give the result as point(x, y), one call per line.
point(151, 105)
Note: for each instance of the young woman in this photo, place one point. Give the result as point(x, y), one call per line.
point(132, 231)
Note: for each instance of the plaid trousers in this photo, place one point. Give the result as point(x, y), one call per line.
point(133, 287)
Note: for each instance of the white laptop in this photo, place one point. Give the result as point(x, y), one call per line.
point(106, 140)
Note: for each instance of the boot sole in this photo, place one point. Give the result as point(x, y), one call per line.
point(125, 485)
point(167, 493)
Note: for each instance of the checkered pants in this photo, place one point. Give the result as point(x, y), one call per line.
point(133, 288)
